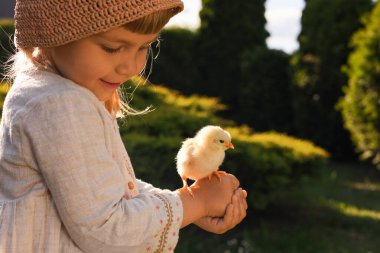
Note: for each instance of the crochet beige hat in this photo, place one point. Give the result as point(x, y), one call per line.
point(48, 23)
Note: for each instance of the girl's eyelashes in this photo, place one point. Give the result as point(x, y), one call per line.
point(110, 49)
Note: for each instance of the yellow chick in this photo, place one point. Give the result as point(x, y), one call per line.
point(202, 155)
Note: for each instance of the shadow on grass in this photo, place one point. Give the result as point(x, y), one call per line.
point(339, 212)
point(314, 230)
point(328, 214)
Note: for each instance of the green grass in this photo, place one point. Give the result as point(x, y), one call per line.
point(338, 213)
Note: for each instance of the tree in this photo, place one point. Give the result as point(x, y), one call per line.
point(266, 91)
point(361, 104)
point(228, 29)
point(327, 27)
point(175, 66)
point(7, 49)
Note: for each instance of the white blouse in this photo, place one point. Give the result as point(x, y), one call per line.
point(66, 181)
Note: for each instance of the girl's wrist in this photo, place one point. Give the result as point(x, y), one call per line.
point(194, 207)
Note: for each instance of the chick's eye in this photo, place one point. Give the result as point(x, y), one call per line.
point(221, 141)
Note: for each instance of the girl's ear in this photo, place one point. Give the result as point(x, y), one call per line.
point(46, 53)
point(44, 57)
point(28, 52)
point(39, 56)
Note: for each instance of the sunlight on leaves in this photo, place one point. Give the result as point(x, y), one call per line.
point(354, 211)
point(4, 87)
point(300, 148)
point(194, 104)
point(366, 186)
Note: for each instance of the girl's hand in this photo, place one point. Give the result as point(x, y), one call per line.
point(235, 213)
point(215, 193)
point(208, 197)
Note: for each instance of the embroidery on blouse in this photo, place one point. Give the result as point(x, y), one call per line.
point(169, 214)
point(128, 165)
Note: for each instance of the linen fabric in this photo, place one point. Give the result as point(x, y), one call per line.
point(66, 180)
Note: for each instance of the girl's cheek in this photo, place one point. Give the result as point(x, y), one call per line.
point(142, 61)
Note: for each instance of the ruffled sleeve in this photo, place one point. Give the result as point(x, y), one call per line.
point(170, 221)
point(67, 136)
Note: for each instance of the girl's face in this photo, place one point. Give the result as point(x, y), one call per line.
point(103, 61)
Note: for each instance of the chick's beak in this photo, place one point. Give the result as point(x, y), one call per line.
point(230, 145)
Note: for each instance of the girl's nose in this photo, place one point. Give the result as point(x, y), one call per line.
point(127, 66)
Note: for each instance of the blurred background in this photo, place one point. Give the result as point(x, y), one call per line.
point(297, 83)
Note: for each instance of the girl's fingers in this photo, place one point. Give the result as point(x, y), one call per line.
point(245, 204)
point(228, 217)
point(234, 181)
point(243, 211)
point(244, 199)
point(241, 206)
point(245, 194)
point(237, 208)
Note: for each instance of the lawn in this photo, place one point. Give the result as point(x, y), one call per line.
point(337, 213)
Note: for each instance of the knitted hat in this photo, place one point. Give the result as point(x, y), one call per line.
point(49, 23)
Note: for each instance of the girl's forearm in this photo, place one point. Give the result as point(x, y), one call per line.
point(193, 206)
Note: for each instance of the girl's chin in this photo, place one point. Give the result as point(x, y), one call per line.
point(105, 97)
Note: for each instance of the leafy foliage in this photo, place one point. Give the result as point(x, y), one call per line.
point(327, 27)
point(265, 98)
point(176, 65)
point(335, 213)
point(226, 32)
point(361, 104)
point(3, 92)
point(265, 163)
point(6, 42)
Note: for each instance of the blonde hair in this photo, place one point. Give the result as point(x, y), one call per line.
point(117, 105)
point(149, 24)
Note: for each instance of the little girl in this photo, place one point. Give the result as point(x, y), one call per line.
point(66, 180)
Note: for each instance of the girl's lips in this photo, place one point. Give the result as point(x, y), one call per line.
point(110, 84)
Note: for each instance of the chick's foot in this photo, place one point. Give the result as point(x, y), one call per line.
point(217, 174)
point(186, 186)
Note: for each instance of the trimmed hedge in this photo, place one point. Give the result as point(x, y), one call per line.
point(3, 92)
point(265, 163)
point(361, 103)
point(7, 30)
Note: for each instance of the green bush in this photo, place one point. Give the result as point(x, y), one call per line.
point(227, 30)
point(327, 27)
point(361, 104)
point(3, 92)
point(265, 99)
point(176, 66)
point(7, 30)
point(265, 163)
